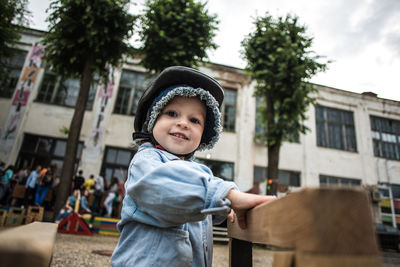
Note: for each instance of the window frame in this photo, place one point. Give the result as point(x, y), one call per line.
point(231, 127)
point(341, 181)
point(54, 87)
point(385, 137)
point(208, 162)
point(115, 165)
point(9, 84)
point(29, 152)
point(135, 92)
point(293, 175)
point(347, 129)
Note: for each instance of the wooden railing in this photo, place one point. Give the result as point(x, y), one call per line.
point(311, 227)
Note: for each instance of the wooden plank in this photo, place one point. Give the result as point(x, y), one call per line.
point(27, 245)
point(318, 260)
point(321, 220)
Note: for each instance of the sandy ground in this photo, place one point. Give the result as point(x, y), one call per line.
point(77, 250)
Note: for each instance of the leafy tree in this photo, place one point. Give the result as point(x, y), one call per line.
point(85, 36)
point(13, 16)
point(279, 59)
point(176, 32)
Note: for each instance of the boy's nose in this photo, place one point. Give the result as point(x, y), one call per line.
point(182, 123)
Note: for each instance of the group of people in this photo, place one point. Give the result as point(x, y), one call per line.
point(37, 183)
point(91, 193)
point(95, 194)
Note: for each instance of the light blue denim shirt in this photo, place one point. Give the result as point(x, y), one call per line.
point(32, 179)
point(166, 215)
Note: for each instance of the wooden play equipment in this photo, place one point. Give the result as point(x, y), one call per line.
point(15, 216)
point(27, 245)
point(35, 213)
point(311, 227)
point(74, 224)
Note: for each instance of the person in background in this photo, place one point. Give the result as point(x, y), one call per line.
point(112, 193)
point(30, 185)
point(98, 193)
point(45, 182)
point(69, 206)
point(79, 180)
point(89, 184)
point(6, 184)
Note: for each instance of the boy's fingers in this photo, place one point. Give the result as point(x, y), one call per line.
point(241, 217)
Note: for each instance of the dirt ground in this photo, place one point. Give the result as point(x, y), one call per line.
point(77, 250)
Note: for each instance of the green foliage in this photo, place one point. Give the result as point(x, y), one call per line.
point(280, 60)
point(176, 32)
point(87, 30)
point(13, 16)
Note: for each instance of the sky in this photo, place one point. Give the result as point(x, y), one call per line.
point(361, 38)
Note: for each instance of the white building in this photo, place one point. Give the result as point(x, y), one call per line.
point(354, 139)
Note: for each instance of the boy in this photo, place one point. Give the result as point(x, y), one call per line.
point(170, 200)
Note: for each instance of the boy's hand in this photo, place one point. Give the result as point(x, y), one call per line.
point(241, 202)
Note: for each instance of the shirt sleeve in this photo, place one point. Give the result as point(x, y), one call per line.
point(176, 191)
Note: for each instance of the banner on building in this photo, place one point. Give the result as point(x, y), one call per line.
point(20, 99)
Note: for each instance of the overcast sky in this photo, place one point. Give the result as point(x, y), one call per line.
point(360, 37)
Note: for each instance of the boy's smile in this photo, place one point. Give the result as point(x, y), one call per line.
point(180, 126)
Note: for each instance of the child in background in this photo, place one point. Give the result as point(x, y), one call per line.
point(172, 201)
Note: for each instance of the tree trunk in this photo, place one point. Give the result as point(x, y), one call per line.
point(273, 149)
point(68, 168)
point(273, 163)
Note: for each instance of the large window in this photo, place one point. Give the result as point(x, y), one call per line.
point(44, 151)
point(289, 178)
point(14, 67)
point(325, 180)
point(229, 110)
point(385, 137)
point(57, 90)
point(220, 169)
point(131, 88)
point(116, 163)
point(335, 128)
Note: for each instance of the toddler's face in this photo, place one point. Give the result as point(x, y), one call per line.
point(180, 125)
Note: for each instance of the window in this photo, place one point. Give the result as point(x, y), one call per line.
point(131, 87)
point(44, 151)
point(229, 110)
point(14, 68)
point(325, 180)
point(289, 178)
point(385, 137)
point(116, 163)
point(220, 169)
point(59, 91)
point(335, 128)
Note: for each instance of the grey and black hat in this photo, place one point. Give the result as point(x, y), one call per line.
point(187, 82)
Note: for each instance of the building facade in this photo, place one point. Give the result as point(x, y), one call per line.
point(354, 139)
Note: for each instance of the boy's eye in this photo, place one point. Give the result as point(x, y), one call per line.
point(171, 113)
point(194, 120)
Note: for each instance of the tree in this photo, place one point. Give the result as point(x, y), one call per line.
point(279, 59)
point(13, 16)
point(176, 32)
point(85, 36)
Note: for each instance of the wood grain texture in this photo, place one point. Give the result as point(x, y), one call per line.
point(319, 220)
point(27, 245)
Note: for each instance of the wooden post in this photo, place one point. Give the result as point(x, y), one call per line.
point(240, 253)
point(321, 226)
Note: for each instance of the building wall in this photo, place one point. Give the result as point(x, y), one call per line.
point(237, 147)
